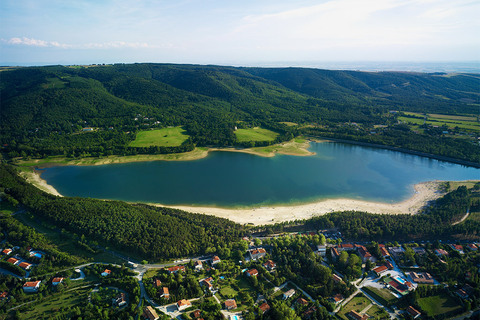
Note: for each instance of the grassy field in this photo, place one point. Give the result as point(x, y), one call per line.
point(463, 122)
point(438, 304)
point(384, 296)
point(378, 313)
point(358, 303)
point(49, 308)
point(166, 137)
point(474, 216)
point(255, 134)
point(455, 184)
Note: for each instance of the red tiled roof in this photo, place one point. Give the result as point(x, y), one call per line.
point(31, 284)
point(264, 307)
point(24, 265)
point(380, 269)
point(12, 260)
point(413, 312)
point(252, 272)
point(57, 279)
point(183, 302)
point(230, 304)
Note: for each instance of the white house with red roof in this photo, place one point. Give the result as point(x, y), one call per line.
point(31, 286)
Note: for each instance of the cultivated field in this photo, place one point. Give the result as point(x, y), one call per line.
point(438, 304)
point(165, 137)
point(468, 123)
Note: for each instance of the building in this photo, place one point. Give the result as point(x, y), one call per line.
point(457, 248)
point(31, 286)
point(337, 298)
point(472, 247)
point(230, 304)
point(257, 253)
point(120, 300)
point(198, 265)
point(57, 280)
point(106, 272)
point(413, 312)
point(357, 316)
point(252, 273)
point(365, 255)
point(384, 252)
point(336, 278)
point(335, 254)
point(165, 293)
point(441, 252)
point(150, 314)
point(215, 260)
point(302, 301)
point(7, 251)
point(197, 314)
point(183, 304)
point(379, 270)
point(157, 282)
point(396, 252)
point(25, 265)
point(207, 282)
point(176, 269)
point(13, 261)
point(270, 265)
point(264, 307)
point(419, 251)
point(345, 247)
point(422, 277)
point(288, 294)
point(322, 250)
point(3, 295)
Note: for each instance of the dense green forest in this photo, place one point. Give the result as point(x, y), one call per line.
point(45, 110)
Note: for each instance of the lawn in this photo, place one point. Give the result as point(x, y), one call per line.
point(255, 134)
point(50, 307)
point(358, 303)
point(439, 304)
point(377, 312)
point(165, 137)
point(384, 296)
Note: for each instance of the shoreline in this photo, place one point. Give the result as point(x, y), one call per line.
point(424, 193)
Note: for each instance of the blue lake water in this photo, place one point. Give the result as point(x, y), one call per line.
point(231, 179)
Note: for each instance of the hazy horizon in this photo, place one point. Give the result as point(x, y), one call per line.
point(50, 32)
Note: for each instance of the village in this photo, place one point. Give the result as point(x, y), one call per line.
point(259, 281)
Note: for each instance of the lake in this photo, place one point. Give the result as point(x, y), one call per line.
point(233, 179)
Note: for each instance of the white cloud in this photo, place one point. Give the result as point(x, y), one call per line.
point(99, 45)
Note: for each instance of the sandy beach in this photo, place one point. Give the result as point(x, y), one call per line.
point(424, 193)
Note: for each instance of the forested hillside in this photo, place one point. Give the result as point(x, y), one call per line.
point(97, 110)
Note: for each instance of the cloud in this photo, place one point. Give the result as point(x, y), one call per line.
point(98, 45)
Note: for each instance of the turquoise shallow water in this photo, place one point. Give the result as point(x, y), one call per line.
point(231, 179)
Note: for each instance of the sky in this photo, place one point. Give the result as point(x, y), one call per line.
point(247, 32)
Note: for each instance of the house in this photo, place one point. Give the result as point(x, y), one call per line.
point(157, 282)
point(264, 307)
point(384, 252)
point(413, 312)
point(389, 265)
point(396, 252)
point(462, 293)
point(197, 314)
point(335, 254)
point(230, 304)
point(198, 265)
point(106, 272)
point(457, 248)
point(257, 253)
point(207, 282)
point(25, 265)
point(7, 251)
point(150, 314)
point(176, 269)
point(441, 252)
point(165, 293)
point(119, 300)
point(288, 294)
point(336, 278)
point(252, 273)
point(345, 247)
point(472, 247)
point(365, 255)
point(422, 277)
point(31, 286)
point(337, 298)
point(322, 250)
point(57, 280)
point(183, 304)
point(270, 265)
point(357, 316)
point(3, 295)
point(419, 251)
point(215, 260)
point(302, 301)
point(13, 261)
point(379, 270)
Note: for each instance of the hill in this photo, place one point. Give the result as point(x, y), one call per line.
point(97, 110)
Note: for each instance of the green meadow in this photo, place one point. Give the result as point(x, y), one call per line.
point(255, 134)
point(165, 137)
